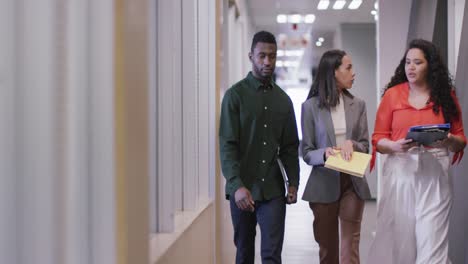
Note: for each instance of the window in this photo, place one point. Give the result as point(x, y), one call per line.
point(183, 109)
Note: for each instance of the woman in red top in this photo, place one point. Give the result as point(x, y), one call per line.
point(416, 197)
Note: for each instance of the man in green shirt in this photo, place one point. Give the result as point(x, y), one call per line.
point(258, 126)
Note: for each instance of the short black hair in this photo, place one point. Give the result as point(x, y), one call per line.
point(262, 36)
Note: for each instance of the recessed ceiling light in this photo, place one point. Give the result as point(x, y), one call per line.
point(376, 5)
point(323, 4)
point(309, 19)
point(295, 19)
point(321, 39)
point(281, 19)
point(291, 64)
point(376, 17)
point(318, 43)
point(373, 12)
point(355, 4)
point(299, 53)
point(339, 4)
point(293, 53)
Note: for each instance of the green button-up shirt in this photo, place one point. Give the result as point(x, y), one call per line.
point(258, 124)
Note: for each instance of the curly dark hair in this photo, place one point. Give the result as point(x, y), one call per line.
point(324, 84)
point(438, 78)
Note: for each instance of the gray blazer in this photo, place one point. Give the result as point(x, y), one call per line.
point(318, 133)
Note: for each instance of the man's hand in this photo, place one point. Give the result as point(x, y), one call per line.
point(244, 200)
point(292, 195)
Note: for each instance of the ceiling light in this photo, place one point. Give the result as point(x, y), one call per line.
point(376, 17)
point(355, 4)
point(291, 64)
point(309, 19)
point(295, 19)
point(299, 53)
point(318, 43)
point(373, 12)
point(376, 5)
point(323, 4)
point(321, 39)
point(293, 53)
point(289, 53)
point(339, 4)
point(281, 19)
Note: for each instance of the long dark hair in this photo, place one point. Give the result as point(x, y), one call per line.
point(324, 84)
point(438, 78)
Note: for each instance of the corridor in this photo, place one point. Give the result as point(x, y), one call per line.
point(110, 115)
point(299, 244)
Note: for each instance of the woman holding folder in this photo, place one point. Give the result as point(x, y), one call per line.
point(334, 120)
point(416, 197)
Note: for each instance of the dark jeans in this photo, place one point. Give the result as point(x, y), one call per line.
point(270, 216)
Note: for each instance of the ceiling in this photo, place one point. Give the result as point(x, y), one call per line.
point(263, 14)
point(263, 17)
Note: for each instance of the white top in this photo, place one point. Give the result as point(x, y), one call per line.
point(339, 121)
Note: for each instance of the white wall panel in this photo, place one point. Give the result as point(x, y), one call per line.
point(7, 133)
point(205, 56)
point(153, 114)
point(101, 131)
point(35, 114)
point(190, 94)
point(212, 75)
point(168, 115)
point(77, 181)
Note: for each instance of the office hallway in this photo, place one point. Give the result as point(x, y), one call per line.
point(299, 244)
point(111, 111)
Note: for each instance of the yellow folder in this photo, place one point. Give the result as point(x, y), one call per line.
point(357, 166)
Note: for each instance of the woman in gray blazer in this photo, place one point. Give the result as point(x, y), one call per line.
point(333, 119)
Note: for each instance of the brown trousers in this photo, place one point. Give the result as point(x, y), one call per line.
point(348, 209)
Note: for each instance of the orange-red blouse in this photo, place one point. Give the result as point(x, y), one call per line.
point(395, 116)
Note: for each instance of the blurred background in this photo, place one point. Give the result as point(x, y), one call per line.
point(109, 112)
